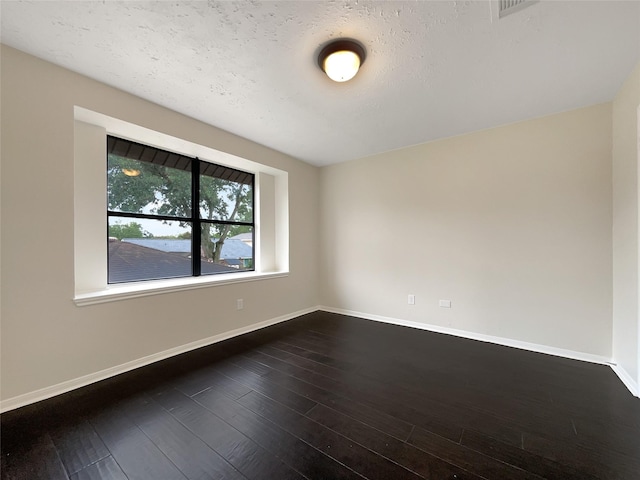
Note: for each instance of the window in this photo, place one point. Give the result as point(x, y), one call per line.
point(170, 215)
point(268, 230)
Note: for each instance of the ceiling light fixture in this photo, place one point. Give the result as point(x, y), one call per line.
point(131, 172)
point(341, 59)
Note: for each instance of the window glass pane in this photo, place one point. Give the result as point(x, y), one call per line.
point(135, 186)
point(226, 248)
point(225, 200)
point(142, 249)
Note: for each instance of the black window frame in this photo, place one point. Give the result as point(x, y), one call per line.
point(196, 165)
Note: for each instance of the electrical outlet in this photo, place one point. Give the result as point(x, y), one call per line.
point(445, 303)
point(240, 304)
point(411, 299)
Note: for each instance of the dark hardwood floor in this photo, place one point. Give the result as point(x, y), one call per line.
point(326, 396)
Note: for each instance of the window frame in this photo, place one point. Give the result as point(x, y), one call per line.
point(272, 195)
point(195, 219)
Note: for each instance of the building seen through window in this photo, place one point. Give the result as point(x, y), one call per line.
point(171, 215)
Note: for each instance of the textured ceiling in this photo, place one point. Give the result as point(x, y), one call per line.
point(433, 69)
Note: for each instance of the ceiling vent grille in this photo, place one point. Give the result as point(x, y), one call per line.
point(507, 7)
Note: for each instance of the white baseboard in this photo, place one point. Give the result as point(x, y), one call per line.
point(52, 391)
point(627, 379)
point(507, 342)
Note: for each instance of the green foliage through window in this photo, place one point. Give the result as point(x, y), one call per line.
point(151, 189)
point(128, 230)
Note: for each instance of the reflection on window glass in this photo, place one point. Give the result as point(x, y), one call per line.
point(134, 186)
point(228, 246)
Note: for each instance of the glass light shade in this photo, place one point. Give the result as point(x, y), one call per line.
point(342, 65)
point(131, 172)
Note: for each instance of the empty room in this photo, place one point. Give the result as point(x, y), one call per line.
point(252, 240)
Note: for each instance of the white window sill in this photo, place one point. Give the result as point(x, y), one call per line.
point(114, 293)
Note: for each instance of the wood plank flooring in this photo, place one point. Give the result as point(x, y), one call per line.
point(327, 396)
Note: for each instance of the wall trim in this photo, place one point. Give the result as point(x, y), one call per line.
point(507, 342)
point(53, 390)
point(60, 388)
point(628, 381)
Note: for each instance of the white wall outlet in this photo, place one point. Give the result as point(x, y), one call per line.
point(411, 299)
point(445, 303)
point(240, 304)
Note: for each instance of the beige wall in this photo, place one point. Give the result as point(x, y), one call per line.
point(626, 349)
point(512, 224)
point(46, 339)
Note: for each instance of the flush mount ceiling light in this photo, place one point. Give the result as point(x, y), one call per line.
point(341, 59)
point(131, 172)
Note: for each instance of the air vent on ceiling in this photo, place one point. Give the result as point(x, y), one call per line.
point(502, 8)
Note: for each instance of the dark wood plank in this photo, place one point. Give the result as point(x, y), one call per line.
point(274, 352)
point(78, 445)
point(342, 449)
point(301, 456)
point(470, 460)
point(35, 458)
point(138, 456)
point(376, 418)
point(392, 426)
point(373, 402)
point(313, 351)
point(210, 378)
point(249, 458)
point(300, 361)
point(521, 458)
point(358, 389)
point(195, 459)
point(410, 457)
point(270, 389)
point(105, 469)
point(607, 435)
point(597, 462)
point(396, 408)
